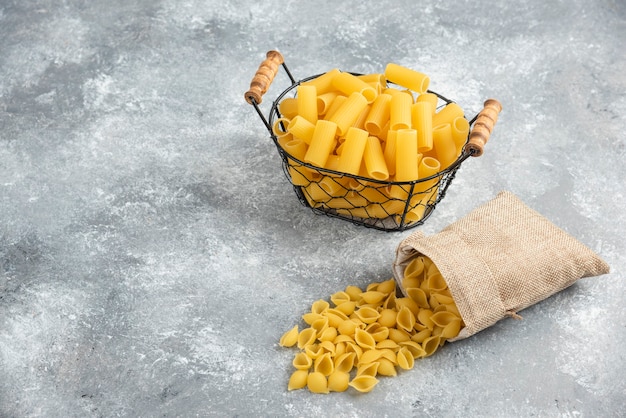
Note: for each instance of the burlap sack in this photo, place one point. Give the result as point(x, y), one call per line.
point(499, 259)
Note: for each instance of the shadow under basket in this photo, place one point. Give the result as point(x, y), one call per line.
point(380, 204)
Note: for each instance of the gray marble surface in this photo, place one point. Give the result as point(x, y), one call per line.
point(152, 251)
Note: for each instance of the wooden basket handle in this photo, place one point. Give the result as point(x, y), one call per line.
point(264, 76)
point(483, 126)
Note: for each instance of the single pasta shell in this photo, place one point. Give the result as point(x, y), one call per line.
point(405, 359)
point(319, 306)
point(345, 362)
point(302, 362)
point(289, 338)
point(316, 382)
point(370, 356)
point(364, 383)
point(370, 369)
point(306, 337)
point(297, 380)
point(443, 318)
point(373, 296)
point(338, 381)
point(367, 314)
point(387, 318)
point(386, 367)
point(364, 339)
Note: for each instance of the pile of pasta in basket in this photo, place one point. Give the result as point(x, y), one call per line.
point(361, 335)
point(385, 128)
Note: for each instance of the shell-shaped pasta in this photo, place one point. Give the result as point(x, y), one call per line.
point(297, 380)
point(387, 344)
point(347, 308)
point(335, 317)
point(415, 268)
point(347, 327)
point(431, 344)
point(405, 319)
point(373, 297)
point(338, 381)
point(328, 347)
point(354, 348)
point(405, 358)
point(389, 354)
point(410, 282)
point(340, 348)
point(421, 336)
point(364, 383)
point(364, 339)
point(345, 362)
point(423, 317)
point(367, 314)
point(319, 325)
point(316, 382)
point(302, 362)
point(416, 350)
point(341, 338)
point(398, 335)
point(443, 318)
point(311, 317)
point(451, 330)
point(339, 297)
point(368, 369)
point(329, 334)
point(387, 318)
point(314, 351)
point(306, 337)
point(319, 306)
point(443, 299)
point(354, 292)
point(387, 286)
point(451, 307)
point(419, 296)
point(379, 332)
point(409, 303)
point(324, 364)
point(436, 282)
point(370, 356)
point(386, 367)
point(289, 338)
point(390, 302)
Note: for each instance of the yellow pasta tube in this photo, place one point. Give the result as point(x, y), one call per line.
point(348, 112)
point(460, 130)
point(422, 117)
point(378, 115)
point(405, 77)
point(390, 151)
point(288, 107)
point(334, 105)
point(321, 143)
point(430, 98)
point(352, 151)
point(332, 185)
point(447, 114)
point(426, 168)
point(406, 155)
point(324, 102)
point(306, 97)
point(400, 112)
point(301, 128)
point(349, 84)
point(444, 146)
point(323, 83)
point(360, 120)
point(375, 159)
point(279, 128)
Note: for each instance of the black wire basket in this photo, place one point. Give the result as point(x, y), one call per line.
point(380, 204)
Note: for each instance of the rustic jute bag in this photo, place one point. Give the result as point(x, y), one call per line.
point(499, 259)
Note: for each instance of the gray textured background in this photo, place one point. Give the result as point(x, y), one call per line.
point(152, 252)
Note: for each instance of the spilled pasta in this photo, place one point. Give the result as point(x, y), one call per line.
point(359, 336)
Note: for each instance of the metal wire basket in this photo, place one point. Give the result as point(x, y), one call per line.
point(380, 204)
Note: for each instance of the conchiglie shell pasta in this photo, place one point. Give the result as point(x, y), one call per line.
point(364, 383)
point(338, 381)
point(297, 380)
point(289, 338)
